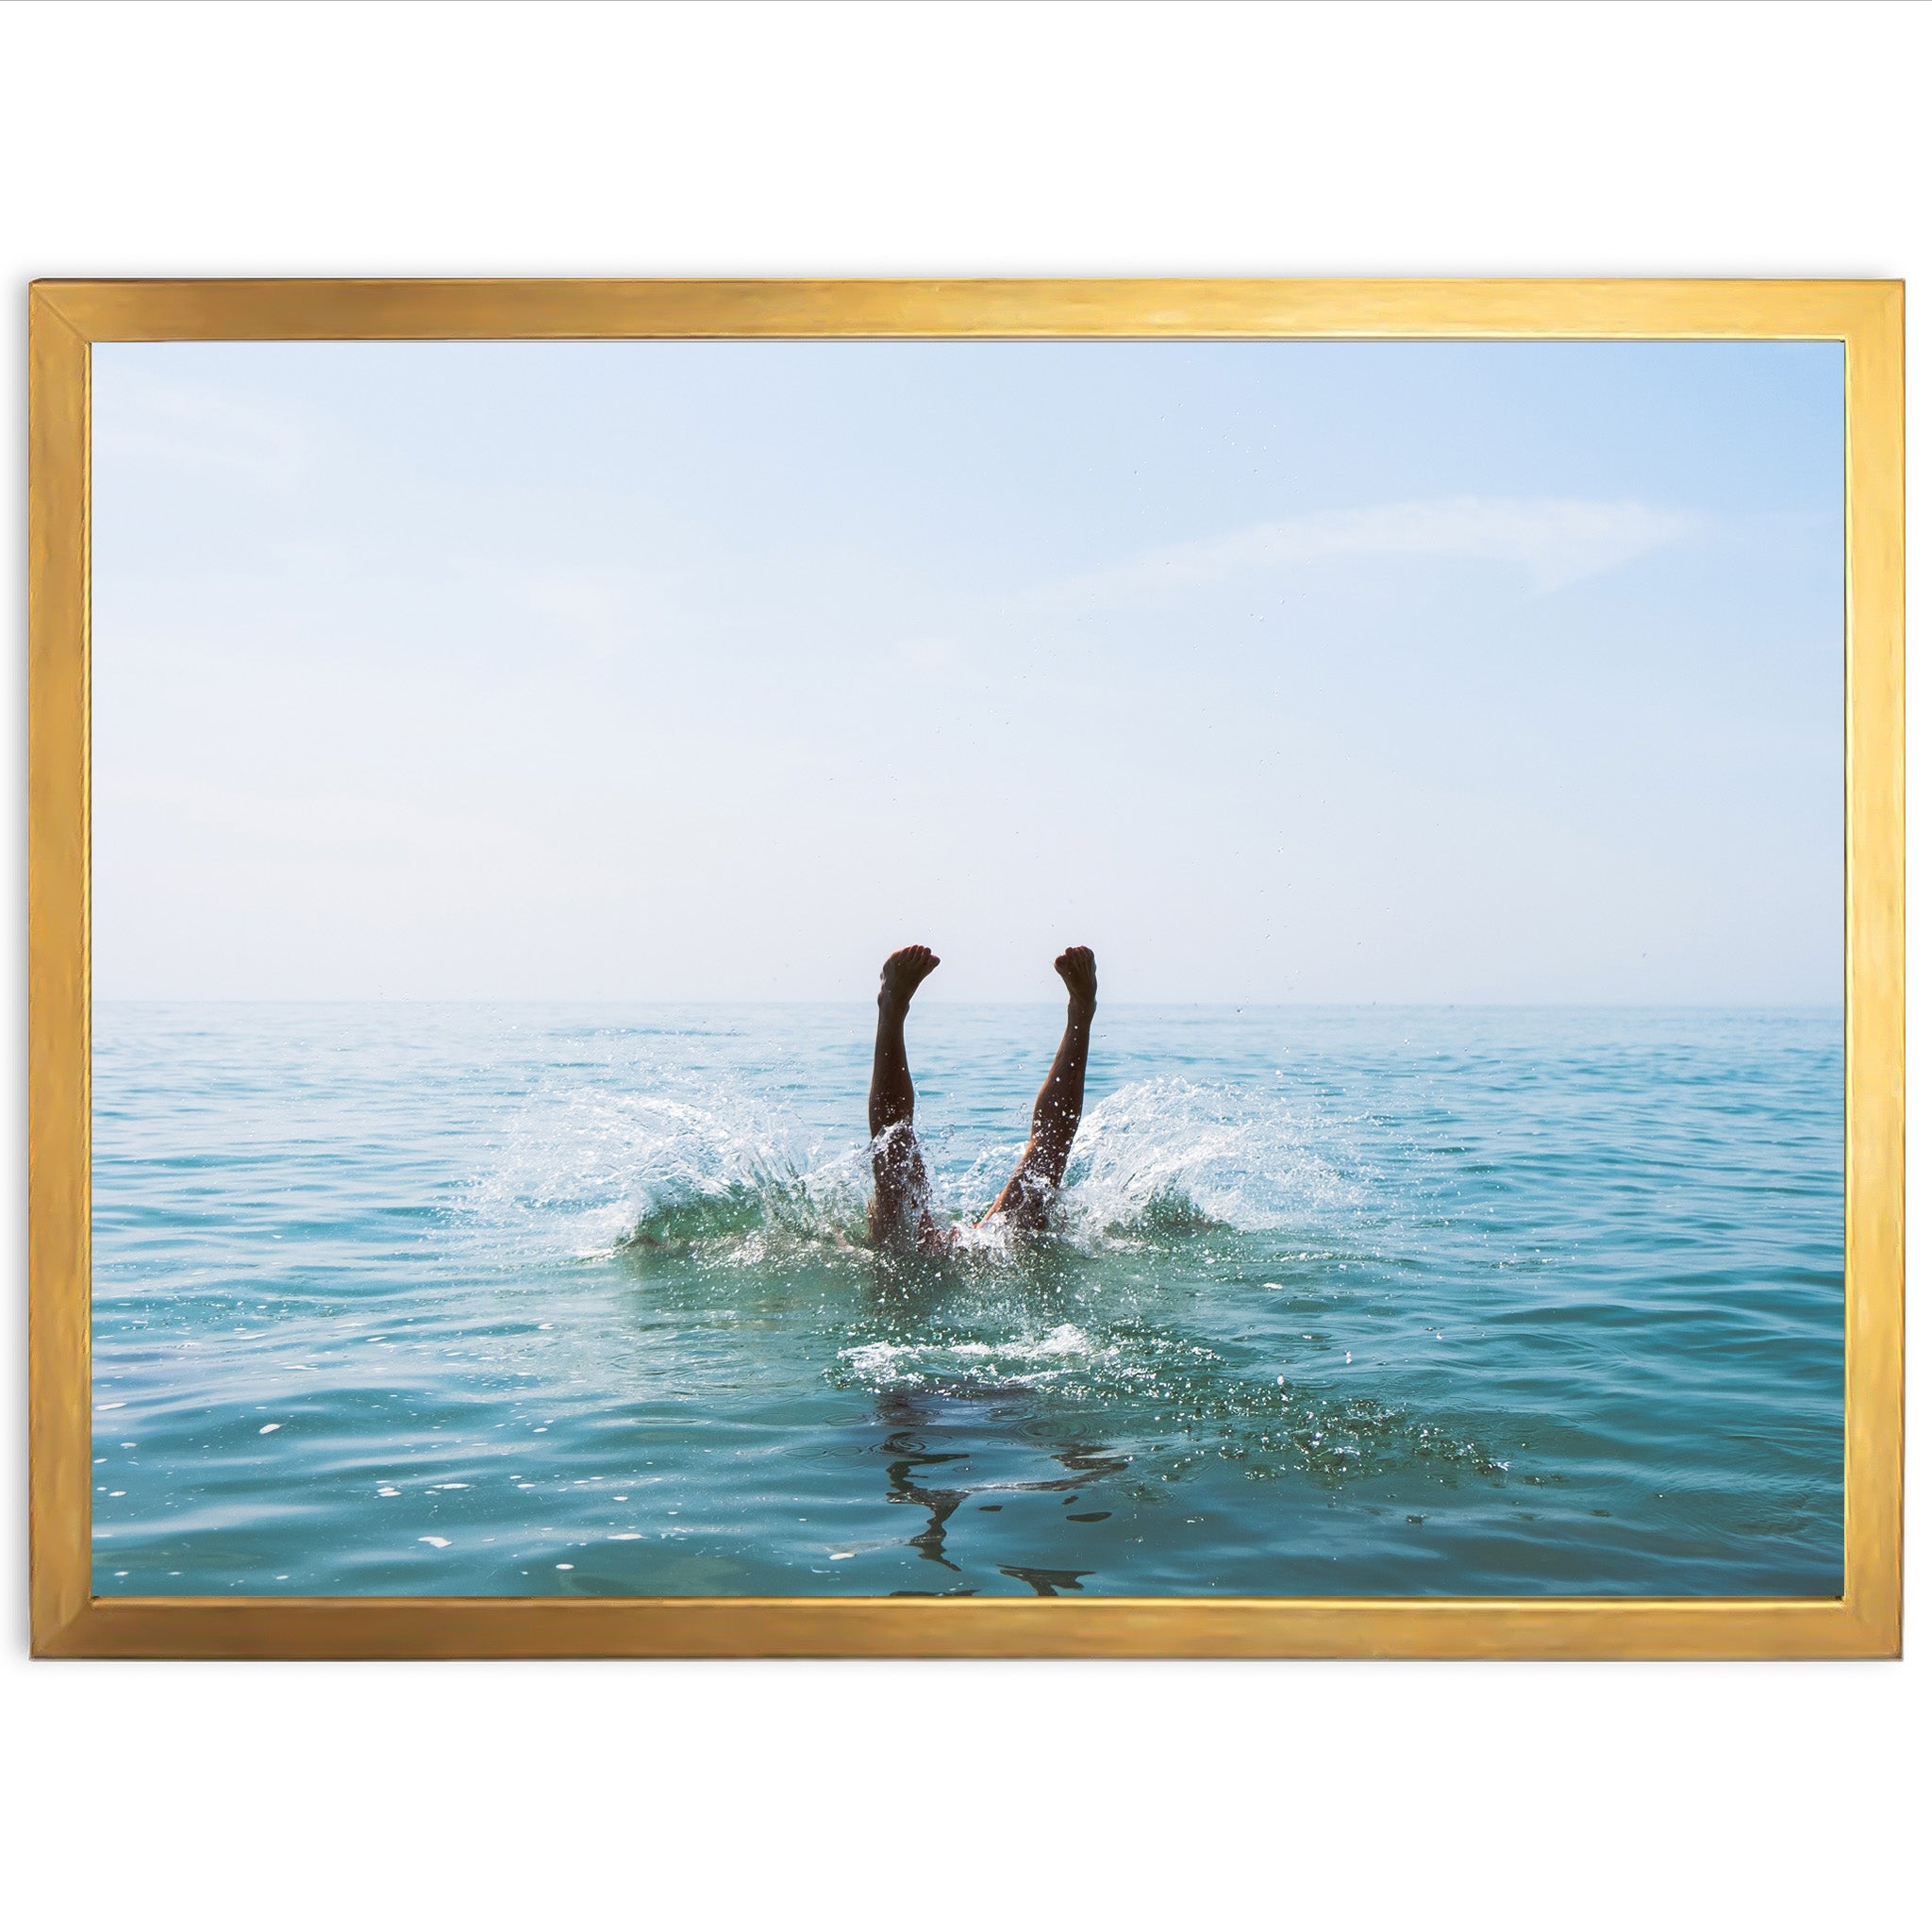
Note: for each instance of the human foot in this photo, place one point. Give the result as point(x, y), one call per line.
point(900, 977)
point(1075, 966)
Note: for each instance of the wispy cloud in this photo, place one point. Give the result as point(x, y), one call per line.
point(1550, 541)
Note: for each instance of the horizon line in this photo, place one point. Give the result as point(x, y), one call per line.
point(639, 1000)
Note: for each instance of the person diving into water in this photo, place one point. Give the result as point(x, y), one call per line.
point(900, 1214)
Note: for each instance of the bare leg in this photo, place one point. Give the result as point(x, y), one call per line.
point(897, 1216)
point(1027, 1199)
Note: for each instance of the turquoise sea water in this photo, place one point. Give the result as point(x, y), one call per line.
point(520, 1299)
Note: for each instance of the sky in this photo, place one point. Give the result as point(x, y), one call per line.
point(1274, 671)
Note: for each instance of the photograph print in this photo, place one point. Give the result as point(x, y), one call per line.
point(889, 968)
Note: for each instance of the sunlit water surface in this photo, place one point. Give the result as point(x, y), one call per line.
point(395, 1299)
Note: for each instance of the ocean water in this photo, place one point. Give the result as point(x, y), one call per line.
point(551, 1300)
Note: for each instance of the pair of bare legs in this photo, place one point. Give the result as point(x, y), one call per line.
point(900, 1215)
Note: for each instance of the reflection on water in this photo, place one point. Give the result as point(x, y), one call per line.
point(914, 1423)
point(1044, 1582)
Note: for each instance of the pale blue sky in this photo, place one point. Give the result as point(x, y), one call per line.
point(1273, 671)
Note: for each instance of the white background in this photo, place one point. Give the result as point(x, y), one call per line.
point(1093, 139)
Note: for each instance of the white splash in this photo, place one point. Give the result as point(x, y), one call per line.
point(1159, 1155)
point(1022, 1361)
point(585, 1171)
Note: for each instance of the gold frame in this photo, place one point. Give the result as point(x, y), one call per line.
point(66, 317)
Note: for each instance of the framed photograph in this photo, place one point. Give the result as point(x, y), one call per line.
point(964, 968)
